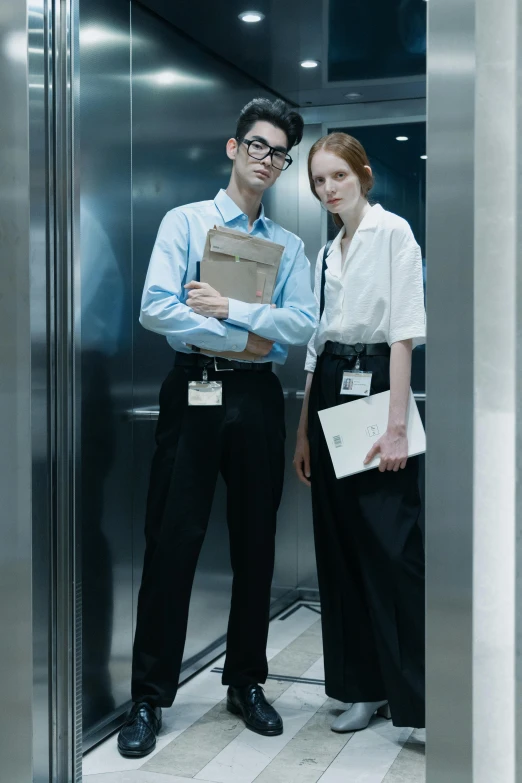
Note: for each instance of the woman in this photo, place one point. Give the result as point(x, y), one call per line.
point(370, 557)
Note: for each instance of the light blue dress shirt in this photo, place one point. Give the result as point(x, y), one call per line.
point(179, 247)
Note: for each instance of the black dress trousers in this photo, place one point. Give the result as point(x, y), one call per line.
point(244, 439)
point(370, 562)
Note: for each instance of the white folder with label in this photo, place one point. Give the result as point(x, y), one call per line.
point(352, 429)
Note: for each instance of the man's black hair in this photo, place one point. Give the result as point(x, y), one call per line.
point(277, 113)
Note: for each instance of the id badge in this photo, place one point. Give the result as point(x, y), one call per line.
point(205, 393)
point(356, 383)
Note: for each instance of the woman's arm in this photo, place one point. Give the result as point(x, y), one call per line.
point(393, 446)
point(302, 448)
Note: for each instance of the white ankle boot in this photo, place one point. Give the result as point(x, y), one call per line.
point(359, 715)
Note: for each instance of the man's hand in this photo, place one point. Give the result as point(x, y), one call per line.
point(258, 345)
point(205, 300)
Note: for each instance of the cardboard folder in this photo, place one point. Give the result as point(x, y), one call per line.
point(225, 246)
point(240, 267)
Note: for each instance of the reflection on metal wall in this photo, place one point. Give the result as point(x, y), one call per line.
point(156, 112)
point(16, 557)
point(106, 357)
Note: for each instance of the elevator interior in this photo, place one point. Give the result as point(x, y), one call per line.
point(161, 85)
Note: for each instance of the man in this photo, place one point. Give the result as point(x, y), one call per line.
point(243, 436)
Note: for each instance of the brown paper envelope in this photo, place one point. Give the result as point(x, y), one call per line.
point(232, 232)
point(247, 248)
point(235, 280)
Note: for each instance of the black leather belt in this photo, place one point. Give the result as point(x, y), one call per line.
point(359, 349)
point(218, 363)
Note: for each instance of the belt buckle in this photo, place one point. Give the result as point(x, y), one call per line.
point(224, 369)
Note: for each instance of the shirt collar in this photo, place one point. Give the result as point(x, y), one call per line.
point(369, 223)
point(230, 211)
point(372, 218)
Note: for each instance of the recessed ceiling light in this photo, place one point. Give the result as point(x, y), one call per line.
point(424, 157)
point(251, 16)
point(309, 63)
point(353, 95)
point(402, 138)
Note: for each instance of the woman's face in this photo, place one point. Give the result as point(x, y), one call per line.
point(337, 186)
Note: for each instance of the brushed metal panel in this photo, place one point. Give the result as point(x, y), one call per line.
point(496, 541)
point(15, 395)
point(106, 326)
point(449, 471)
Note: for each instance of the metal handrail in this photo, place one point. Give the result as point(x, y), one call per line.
point(152, 413)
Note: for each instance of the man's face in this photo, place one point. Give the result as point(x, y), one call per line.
point(257, 174)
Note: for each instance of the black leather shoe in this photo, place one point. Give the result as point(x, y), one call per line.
point(249, 702)
point(137, 737)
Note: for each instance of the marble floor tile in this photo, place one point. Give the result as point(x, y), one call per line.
point(409, 766)
point(243, 759)
point(135, 776)
point(368, 756)
point(106, 758)
point(309, 754)
point(201, 742)
point(283, 632)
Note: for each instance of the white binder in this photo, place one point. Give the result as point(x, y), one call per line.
point(352, 429)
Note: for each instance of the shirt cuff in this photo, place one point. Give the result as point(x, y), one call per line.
point(239, 313)
point(236, 339)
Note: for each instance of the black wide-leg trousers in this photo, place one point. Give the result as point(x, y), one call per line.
point(370, 562)
point(244, 440)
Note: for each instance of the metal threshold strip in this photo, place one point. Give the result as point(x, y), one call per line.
point(281, 677)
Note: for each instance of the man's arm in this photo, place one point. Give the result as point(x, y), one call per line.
point(162, 310)
point(293, 321)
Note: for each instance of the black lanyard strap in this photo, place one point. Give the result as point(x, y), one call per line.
point(323, 277)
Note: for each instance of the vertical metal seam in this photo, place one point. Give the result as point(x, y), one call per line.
point(133, 457)
point(65, 670)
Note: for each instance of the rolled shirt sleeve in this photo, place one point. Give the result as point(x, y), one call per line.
point(407, 313)
point(293, 321)
point(162, 308)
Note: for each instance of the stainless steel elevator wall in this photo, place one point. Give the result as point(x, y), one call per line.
point(106, 356)
point(156, 111)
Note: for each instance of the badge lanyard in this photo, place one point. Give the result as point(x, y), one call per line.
point(205, 392)
point(356, 382)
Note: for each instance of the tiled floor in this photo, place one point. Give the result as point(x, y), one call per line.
point(201, 741)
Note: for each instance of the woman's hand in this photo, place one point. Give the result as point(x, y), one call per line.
point(302, 458)
point(393, 448)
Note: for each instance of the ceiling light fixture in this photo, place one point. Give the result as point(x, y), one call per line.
point(402, 138)
point(251, 16)
point(424, 157)
point(309, 63)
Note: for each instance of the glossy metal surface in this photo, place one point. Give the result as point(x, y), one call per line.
point(16, 643)
point(497, 548)
point(450, 414)
point(39, 39)
point(105, 315)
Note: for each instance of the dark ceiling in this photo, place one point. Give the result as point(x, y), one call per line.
point(373, 47)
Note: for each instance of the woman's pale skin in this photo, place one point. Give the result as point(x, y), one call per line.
point(339, 189)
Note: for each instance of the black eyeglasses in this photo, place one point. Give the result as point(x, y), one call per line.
point(259, 150)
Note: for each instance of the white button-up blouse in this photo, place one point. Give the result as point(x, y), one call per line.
point(377, 296)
